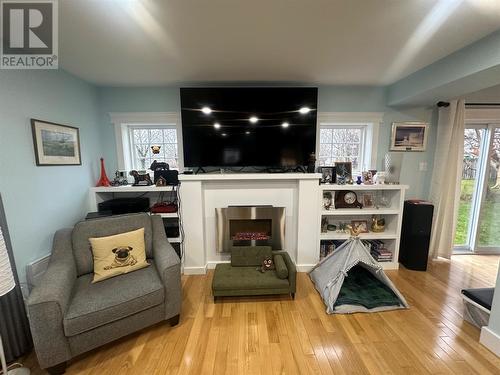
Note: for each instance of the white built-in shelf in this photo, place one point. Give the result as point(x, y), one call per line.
point(389, 265)
point(174, 239)
point(361, 211)
point(130, 189)
point(169, 215)
point(393, 215)
point(364, 236)
point(362, 187)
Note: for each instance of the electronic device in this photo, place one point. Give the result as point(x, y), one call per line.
point(347, 199)
point(416, 234)
point(249, 126)
point(171, 228)
point(119, 206)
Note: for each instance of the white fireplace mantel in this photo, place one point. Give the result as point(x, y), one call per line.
point(202, 193)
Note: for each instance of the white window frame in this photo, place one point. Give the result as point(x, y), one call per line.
point(369, 121)
point(124, 122)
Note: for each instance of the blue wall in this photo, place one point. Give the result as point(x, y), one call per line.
point(40, 200)
point(331, 99)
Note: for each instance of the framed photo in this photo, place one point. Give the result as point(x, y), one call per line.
point(327, 175)
point(409, 136)
point(368, 200)
point(343, 171)
point(361, 225)
point(55, 144)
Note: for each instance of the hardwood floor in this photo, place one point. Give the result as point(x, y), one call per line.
point(277, 335)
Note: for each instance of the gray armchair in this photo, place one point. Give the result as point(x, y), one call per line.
point(69, 315)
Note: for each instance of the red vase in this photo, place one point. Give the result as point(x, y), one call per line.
point(103, 180)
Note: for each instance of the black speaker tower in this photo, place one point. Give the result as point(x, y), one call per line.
point(416, 234)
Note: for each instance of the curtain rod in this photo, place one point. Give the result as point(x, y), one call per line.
point(446, 104)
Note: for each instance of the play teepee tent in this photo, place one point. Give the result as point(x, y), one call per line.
point(349, 280)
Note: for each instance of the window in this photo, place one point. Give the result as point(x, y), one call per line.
point(349, 137)
point(341, 143)
point(142, 138)
point(137, 132)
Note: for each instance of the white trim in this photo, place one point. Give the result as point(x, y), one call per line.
point(195, 270)
point(122, 121)
point(490, 339)
point(482, 115)
point(372, 122)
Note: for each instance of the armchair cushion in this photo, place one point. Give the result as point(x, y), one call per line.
point(94, 305)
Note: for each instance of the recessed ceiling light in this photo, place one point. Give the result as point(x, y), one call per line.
point(206, 110)
point(247, 132)
point(217, 125)
point(224, 134)
point(305, 110)
point(285, 125)
point(253, 119)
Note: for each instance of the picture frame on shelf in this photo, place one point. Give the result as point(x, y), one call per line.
point(55, 144)
point(343, 172)
point(368, 200)
point(360, 225)
point(328, 175)
point(409, 136)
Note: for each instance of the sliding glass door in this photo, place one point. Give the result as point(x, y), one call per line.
point(478, 224)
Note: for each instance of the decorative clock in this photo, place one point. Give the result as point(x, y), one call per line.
point(347, 199)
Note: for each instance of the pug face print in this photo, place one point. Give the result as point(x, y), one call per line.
point(123, 258)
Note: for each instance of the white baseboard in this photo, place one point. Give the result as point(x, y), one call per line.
point(491, 340)
point(195, 270)
point(304, 267)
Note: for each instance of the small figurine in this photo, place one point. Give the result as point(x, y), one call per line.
point(141, 179)
point(155, 149)
point(378, 224)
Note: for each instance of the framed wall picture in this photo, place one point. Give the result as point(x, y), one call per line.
point(55, 144)
point(409, 136)
point(344, 172)
point(327, 175)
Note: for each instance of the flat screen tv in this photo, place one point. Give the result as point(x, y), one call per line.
point(271, 127)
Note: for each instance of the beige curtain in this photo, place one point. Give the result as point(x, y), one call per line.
point(445, 184)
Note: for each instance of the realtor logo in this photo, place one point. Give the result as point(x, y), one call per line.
point(29, 34)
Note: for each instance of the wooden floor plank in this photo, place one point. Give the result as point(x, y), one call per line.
point(277, 335)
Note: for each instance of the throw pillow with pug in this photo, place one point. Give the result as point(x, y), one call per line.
point(118, 254)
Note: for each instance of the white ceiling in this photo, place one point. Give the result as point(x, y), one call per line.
point(344, 42)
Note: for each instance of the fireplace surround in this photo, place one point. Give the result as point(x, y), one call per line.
point(250, 226)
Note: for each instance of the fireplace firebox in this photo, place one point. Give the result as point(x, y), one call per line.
point(250, 226)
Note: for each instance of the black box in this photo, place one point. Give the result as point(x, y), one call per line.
point(120, 206)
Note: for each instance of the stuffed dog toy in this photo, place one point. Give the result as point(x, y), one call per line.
point(123, 258)
point(267, 265)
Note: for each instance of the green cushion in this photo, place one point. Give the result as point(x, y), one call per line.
point(227, 278)
point(281, 270)
point(244, 256)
